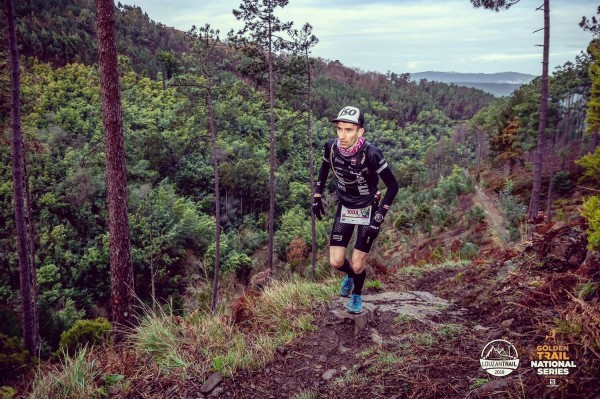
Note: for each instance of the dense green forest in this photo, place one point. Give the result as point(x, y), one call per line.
point(430, 132)
point(169, 168)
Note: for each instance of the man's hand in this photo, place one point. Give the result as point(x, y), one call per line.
point(372, 231)
point(317, 208)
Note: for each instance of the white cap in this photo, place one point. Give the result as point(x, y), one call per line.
point(351, 115)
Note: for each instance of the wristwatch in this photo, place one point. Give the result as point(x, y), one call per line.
point(378, 217)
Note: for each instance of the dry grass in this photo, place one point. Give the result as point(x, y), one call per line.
point(74, 378)
point(204, 342)
point(165, 350)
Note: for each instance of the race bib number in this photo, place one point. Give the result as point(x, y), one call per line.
point(360, 216)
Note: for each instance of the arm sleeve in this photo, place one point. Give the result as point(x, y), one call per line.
point(324, 171)
point(392, 189)
point(380, 166)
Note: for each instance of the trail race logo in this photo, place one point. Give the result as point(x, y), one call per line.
point(551, 359)
point(499, 358)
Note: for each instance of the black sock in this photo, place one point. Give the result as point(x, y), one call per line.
point(347, 268)
point(359, 280)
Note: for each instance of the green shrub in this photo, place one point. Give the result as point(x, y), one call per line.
point(403, 222)
point(13, 356)
point(7, 392)
point(512, 208)
point(84, 333)
point(457, 183)
point(423, 213)
point(591, 211)
point(560, 182)
point(475, 215)
point(469, 250)
point(442, 217)
point(232, 257)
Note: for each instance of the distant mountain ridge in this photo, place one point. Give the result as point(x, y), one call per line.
point(458, 77)
point(498, 84)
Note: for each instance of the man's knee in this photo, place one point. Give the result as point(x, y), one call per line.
point(359, 261)
point(336, 261)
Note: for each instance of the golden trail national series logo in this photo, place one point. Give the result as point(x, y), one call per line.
point(551, 359)
point(499, 358)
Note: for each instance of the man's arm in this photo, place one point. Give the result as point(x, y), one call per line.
point(392, 189)
point(317, 203)
point(320, 184)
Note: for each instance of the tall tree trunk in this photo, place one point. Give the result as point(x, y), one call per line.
point(27, 281)
point(121, 270)
point(213, 138)
point(539, 153)
point(152, 268)
point(549, 199)
point(479, 150)
point(567, 126)
point(31, 245)
point(271, 151)
point(311, 165)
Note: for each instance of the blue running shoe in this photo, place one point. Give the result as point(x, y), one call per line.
point(355, 305)
point(346, 287)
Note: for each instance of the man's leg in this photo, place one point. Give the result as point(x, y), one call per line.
point(337, 258)
point(341, 233)
point(359, 262)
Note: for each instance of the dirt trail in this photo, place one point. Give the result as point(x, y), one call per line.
point(493, 217)
point(336, 359)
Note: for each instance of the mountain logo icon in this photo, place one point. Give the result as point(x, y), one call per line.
point(499, 358)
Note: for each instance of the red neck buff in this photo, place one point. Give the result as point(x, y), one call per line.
point(352, 150)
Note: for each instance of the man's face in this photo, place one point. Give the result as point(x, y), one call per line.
point(348, 133)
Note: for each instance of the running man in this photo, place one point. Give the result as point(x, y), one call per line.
point(357, 166)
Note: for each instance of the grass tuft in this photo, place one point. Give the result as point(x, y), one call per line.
point(374, 285)
point(425, 339)
point(450, 330)
point(404, 319)
point(74, 378)
point(207, 342)
point(159, 337)
point(587, 290)
point(478, 382)
point(306, 394)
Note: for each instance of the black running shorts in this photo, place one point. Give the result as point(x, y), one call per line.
point(341, 233)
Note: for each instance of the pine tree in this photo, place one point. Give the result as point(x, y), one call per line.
point(591, 162)
point(303, 41)
point(207, 40)
point(24, 246)
point(497, 5)
point(259, 38)
point(121, 269)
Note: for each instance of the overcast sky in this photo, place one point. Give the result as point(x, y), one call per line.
point(411, 35)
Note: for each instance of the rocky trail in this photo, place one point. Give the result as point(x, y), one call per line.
point(415, 344)
point(331, 359)
point(422, 336)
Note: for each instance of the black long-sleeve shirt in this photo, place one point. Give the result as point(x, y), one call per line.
point(357, 176)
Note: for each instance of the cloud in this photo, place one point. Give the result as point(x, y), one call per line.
point(396, 35)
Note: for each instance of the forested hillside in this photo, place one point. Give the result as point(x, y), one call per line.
point(169, 167)
point(441, 140)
